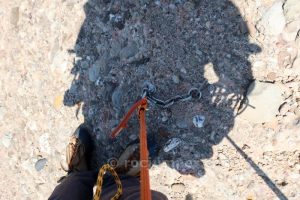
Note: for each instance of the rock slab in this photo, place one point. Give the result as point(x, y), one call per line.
point(273, 21)
point(264, 100)
point(292, 10)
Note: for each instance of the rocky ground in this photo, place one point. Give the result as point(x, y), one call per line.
point(68, 62)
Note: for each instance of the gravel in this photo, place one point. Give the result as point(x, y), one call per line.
point(68, 62)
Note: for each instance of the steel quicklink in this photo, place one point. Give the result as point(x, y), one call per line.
point(150, 89)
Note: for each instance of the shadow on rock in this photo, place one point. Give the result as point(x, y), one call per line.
point(175, 45)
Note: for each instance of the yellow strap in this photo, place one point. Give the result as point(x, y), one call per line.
point(101, 173)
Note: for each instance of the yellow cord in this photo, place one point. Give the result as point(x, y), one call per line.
point(101, 173)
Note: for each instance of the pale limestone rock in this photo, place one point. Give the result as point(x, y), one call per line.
point(272, 22)
point(264, 101)
point(292, 10)
point(291, 30)
point(6, 140)
point(14, 16)
point(44, 143)
point(296, 66)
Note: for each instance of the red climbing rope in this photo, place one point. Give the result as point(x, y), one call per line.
point(141, 106)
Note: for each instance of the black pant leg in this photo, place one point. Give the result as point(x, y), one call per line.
point(77, 186)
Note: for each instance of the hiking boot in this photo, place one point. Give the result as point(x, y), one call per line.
point(79, 150)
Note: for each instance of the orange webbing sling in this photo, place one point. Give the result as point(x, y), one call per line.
point(141, 106)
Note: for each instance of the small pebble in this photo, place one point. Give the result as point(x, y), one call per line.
point(133, 137)
point(129, 51)
point(40, 164)
point(166, 114)
point(272, 76)
point(181, 124)
point(297, 112)
point(175, 79)
point(2, 112)
point(6, 139)
point(14, 16)
point(183, 70)
point(178, 187)
point(198, 121)
point(171, 144)
point(117, 99)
